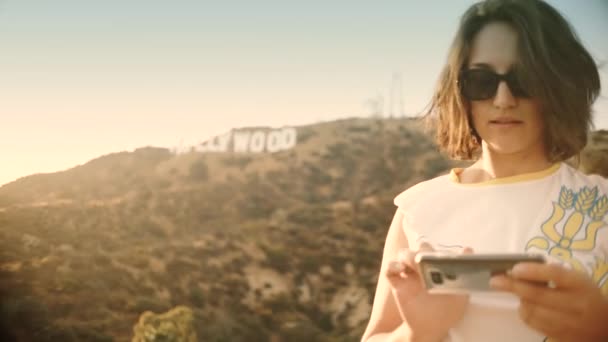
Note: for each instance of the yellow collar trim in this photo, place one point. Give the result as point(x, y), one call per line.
point(455, 176)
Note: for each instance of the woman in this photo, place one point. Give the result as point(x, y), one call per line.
point(516, 97)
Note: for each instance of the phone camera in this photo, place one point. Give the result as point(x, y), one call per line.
point(450, 276)
point(436, 277)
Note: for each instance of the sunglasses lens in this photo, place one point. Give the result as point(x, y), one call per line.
point(481, 84)
point(515, 86)
point(478, 84)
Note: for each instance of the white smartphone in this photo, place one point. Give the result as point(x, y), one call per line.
point(465, 273)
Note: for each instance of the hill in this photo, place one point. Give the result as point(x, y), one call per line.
point(281, 246)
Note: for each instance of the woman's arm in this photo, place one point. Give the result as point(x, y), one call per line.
point(385, 317)
point(403, 310)
point(402, 333)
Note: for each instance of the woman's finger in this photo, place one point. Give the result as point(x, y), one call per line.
point(535, 293)
point(394, 272)
point(403, 285)
point(556, 274)
point(407, 258)
point(394, 269)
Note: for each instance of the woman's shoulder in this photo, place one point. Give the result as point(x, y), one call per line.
point(421, 190)
point(572, 177)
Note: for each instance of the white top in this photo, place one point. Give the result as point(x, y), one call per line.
point(559, 212)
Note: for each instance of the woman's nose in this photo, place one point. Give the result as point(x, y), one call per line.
point(504, 97)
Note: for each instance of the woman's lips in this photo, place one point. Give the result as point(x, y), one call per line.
point(506, 122)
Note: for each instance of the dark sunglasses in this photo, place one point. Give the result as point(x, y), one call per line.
point(482, 84)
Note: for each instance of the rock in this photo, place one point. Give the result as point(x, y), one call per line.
point(349, 269)
point(267, 281)
point(176, 325)
point(353, 301)
point(326, 270)
point(30, 242)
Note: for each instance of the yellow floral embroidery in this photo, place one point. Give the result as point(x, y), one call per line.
point(584, 206)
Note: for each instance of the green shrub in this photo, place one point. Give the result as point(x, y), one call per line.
point(302, 331)
point(278, 259)
point(92, 335)
point(149, 304)
point(197, 297)
point(435, 166)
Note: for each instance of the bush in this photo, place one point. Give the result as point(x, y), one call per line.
point(25, 314)
point(101, 260)
point(154, 229)
point(301, 331)
point(278, 259)
point(281, 303)
point(435, 166)
point(149, 304)
point(309, 264)
point(237, 161)
point(236, 326)
point(199, 171)
point(305, 134)
point(311, 216)
point(359, 129)
point(197, 297)
point(92, 335)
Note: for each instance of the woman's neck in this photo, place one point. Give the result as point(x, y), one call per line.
point(494, 165)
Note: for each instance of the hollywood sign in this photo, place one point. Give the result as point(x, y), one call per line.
point(254, 141)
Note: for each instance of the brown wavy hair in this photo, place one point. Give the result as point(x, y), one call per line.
point(552, 62)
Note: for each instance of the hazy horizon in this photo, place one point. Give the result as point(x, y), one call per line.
point(80, 80)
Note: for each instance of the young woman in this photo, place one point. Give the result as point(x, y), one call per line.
point(516, 97)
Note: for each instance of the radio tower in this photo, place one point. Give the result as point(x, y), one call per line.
point(395, 98)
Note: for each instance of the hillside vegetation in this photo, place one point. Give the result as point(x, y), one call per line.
point(261, 247)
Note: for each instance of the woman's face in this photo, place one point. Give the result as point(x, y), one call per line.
point(507, 124)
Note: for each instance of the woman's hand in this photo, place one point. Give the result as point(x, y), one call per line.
point(561, 303)
point(429, 316)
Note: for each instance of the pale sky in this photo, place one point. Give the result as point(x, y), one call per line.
point(83, 78)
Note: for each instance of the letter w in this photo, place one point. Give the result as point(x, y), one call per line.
point(241, 141)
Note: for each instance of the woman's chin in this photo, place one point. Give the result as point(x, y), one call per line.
point(506, 149)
